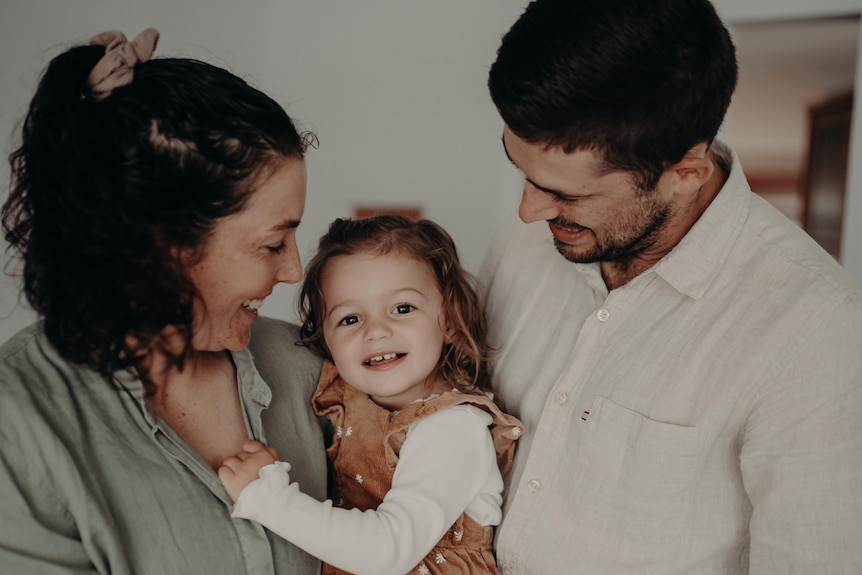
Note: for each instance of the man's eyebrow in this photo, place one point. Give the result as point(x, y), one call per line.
point(560, 194)
point(551, 191)
point(532, 183)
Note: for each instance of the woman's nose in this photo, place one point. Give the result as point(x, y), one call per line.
point(290, 265)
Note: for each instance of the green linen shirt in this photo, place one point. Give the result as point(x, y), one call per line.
point(93, 481)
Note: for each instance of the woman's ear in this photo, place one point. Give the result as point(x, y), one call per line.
point(186, 257)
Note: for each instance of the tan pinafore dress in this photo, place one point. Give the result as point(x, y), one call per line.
point(365, 432)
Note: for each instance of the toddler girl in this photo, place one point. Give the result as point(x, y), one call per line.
point(418, 447)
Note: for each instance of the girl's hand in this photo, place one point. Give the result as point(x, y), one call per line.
point(239, 470)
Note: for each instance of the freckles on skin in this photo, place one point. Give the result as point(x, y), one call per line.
point(248, 253)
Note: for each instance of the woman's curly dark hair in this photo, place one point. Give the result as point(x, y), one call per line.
point(104, 195)
point(464, 360)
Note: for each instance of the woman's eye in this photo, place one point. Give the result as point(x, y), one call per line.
point(404, 308)
point(349, 320)
point(276, 249)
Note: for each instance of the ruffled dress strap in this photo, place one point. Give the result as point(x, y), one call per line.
point(505, 428)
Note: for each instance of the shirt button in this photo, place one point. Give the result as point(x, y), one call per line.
point(534, 485)
point(507, 570)
point(603, 314)
point(562, 399)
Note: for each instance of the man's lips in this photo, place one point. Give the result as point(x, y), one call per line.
point(568, 235)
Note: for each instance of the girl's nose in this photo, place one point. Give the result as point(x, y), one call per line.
point(377, 329)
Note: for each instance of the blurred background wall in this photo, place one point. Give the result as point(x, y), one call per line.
point(394, 89)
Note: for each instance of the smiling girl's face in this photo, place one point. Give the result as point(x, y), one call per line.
point(384, 325)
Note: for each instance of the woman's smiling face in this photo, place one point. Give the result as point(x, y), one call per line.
point(247, 255)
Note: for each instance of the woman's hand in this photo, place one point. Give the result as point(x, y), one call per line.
point(239, 470)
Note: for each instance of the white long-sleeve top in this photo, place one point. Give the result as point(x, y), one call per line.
point(447, 466)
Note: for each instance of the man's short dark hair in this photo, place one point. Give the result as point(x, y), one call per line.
point(639, 81)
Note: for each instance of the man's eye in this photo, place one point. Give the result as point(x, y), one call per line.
point(563, 199)
point(349, 320)
point(404, 308)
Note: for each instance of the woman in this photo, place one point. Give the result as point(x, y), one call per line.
point(154, 204)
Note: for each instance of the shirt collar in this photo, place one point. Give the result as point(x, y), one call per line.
point(693, 264)
point(252, 385)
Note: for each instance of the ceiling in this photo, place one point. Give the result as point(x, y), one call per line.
point(823, 47)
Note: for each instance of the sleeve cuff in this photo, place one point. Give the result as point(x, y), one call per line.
point(272, 478)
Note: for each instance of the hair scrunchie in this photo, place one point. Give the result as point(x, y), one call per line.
point(116, 68)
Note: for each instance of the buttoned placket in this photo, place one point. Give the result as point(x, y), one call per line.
point(570, 398)
point(254, 395)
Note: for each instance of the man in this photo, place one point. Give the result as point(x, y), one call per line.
point(689, 370)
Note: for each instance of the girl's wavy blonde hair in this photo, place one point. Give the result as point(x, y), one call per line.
point(464, 359)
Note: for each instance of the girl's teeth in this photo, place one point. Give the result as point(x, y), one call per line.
point(383, 357)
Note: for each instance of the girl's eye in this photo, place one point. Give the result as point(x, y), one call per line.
point(349, 320)
point(404, 308)
point(276, 249)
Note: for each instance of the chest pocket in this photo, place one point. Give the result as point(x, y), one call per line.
point(633, 480)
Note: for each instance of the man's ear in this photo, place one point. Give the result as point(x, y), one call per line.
point(693, 170)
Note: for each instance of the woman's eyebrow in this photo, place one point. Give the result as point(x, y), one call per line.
point(285, 225)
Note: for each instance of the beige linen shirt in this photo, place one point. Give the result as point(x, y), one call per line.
point(704, 418)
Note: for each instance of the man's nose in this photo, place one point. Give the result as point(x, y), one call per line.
point(536, 205)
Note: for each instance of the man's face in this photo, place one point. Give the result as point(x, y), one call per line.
point(594, 213)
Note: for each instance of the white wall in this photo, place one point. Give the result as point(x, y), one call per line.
point(851, 232)
point(395, 90)
point(32, 32)
point(751, 10)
